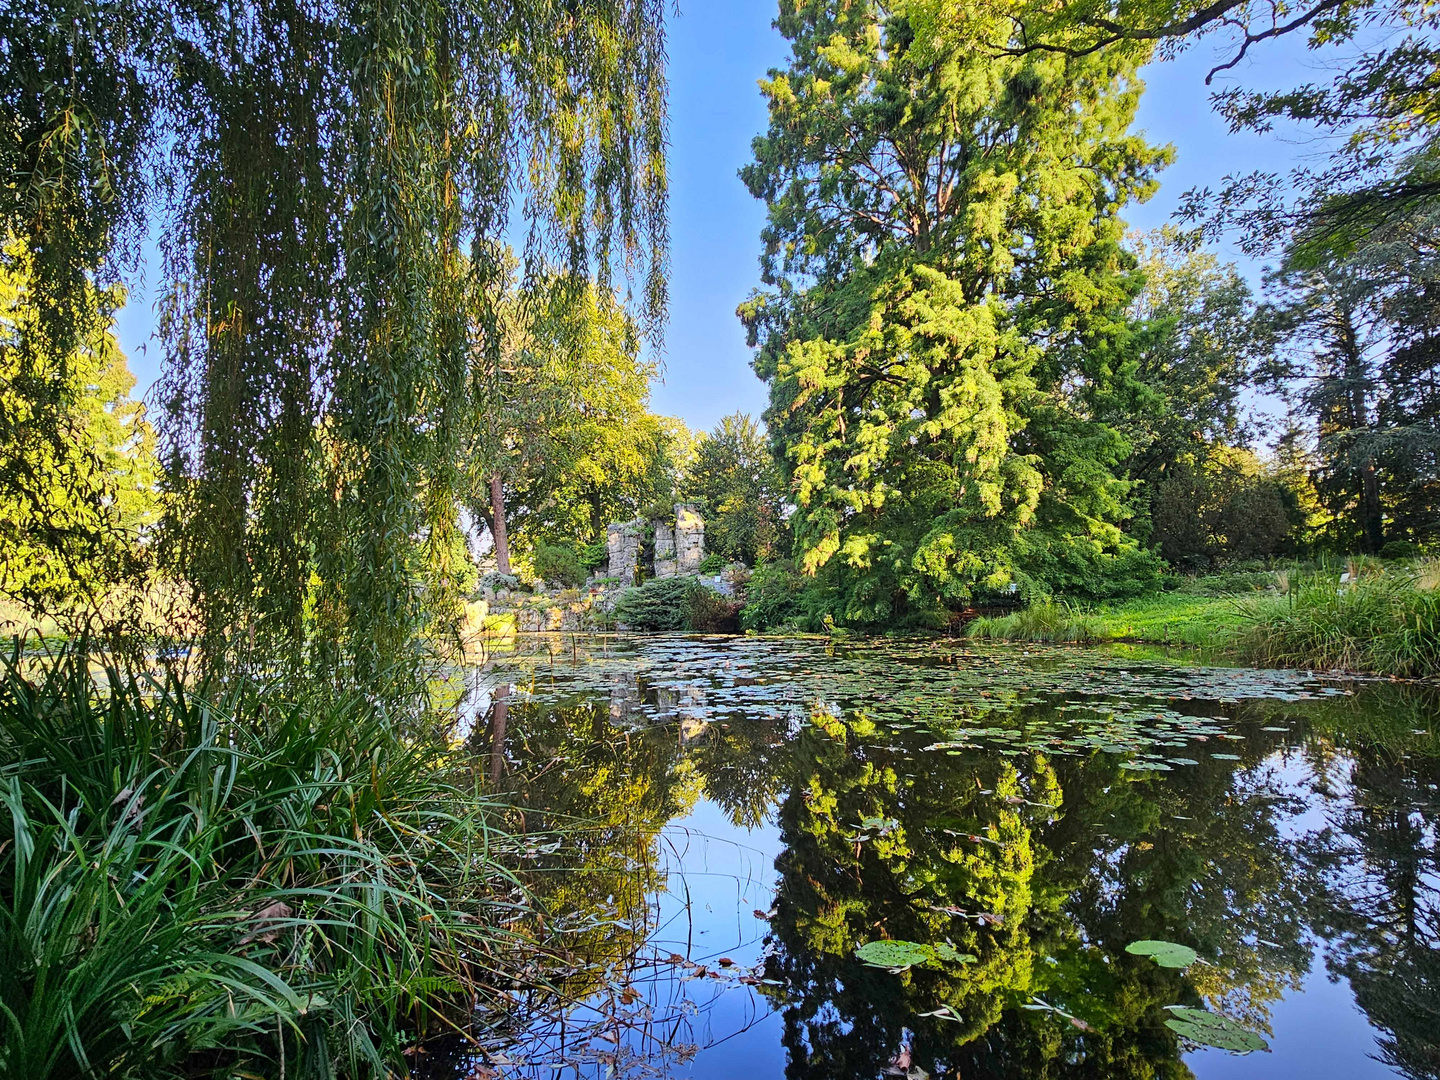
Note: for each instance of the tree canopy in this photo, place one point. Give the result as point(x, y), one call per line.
point(944, 267)
point(321, 171)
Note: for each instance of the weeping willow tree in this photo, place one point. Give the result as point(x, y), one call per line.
point(333, 181)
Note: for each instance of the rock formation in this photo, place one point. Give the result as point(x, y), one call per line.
point(689, 538)
point(624, 540)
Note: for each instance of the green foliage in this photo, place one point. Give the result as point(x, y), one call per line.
point(559, 563)
point(943, 285)
point(208, 882)
point(710, 612)
point(735, 479)
point(560, 411)
point(1387, 623)
point(1359, 364)
point(776, 599)
point(1087, 567)
point(660, 604)
point(899, 955)
point(1041, 621)
point(677, 603)
point(713, 563)
point(1227, 507)
point(77, 466)
point(594, 555)
point(1165, 953)
point(1212, 1029)
point(322, 170)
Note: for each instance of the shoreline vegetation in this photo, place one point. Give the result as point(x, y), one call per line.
point(220, 878)
point(1365, 618)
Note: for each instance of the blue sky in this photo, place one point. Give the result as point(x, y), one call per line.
point(719, 49)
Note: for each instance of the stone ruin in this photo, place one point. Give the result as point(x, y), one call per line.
point(689, 539)
point(679, 548)
point(624, 540)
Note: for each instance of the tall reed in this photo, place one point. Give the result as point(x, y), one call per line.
point(237, 880)
point(1386, 623)
point(1044, 620)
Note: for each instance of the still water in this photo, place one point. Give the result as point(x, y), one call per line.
point(733, 820)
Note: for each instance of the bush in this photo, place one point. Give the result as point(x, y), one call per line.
point(560, 564)
point(709, 612)
point(678, 603)
point(595, 555)
point(187, 879)
point(775, 598)
point(1084, 568)
point(659, 605)
point(712, 563)
point(1400, 549)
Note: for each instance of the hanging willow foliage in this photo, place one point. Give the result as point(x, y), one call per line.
point(334, 179)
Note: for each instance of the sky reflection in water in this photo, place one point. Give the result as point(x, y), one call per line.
point(757, 810)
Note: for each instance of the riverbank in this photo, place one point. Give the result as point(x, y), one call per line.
point(1364, 619)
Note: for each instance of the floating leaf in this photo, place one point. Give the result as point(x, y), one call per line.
point(1212, 1029)
point(949, 954)
point(1165, 953)
point(893, 955)
point(899, 955)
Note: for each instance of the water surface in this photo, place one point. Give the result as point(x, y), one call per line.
point(745, 814)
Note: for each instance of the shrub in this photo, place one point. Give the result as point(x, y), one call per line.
point(560, 564)
point(1399, 549)
point(1085, 568)
point(595, 555)
point(712, 563)
point(775, 597)
point(658, 605)
point(677, 603)
point(712, 613)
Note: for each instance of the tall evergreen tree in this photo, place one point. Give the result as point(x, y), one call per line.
point(944, 269)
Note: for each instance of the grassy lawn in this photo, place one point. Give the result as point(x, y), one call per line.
point(1178, 618)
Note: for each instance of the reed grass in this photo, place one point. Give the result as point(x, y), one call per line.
point(1042, 621)
point(233, 880)
point(1385, 623)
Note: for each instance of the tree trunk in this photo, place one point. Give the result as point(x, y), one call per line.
point(497, 524)
point(1372, 519)
point(499, 714)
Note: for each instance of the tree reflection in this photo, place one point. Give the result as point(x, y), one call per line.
point(1044, 868)
point(1380, 903)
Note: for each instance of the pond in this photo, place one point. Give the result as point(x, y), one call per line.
point(740, 820)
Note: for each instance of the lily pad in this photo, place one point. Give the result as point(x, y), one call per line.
point(1212, 1029)
point(1165, 953)
point(899, 955)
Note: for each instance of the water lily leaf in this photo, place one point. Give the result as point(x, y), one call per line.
point(1212, 1029)
point(893, 955)
point(951, 955)
point(1165, 953)
point(899, 955)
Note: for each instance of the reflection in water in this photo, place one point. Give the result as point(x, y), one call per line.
point(1037, 811)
